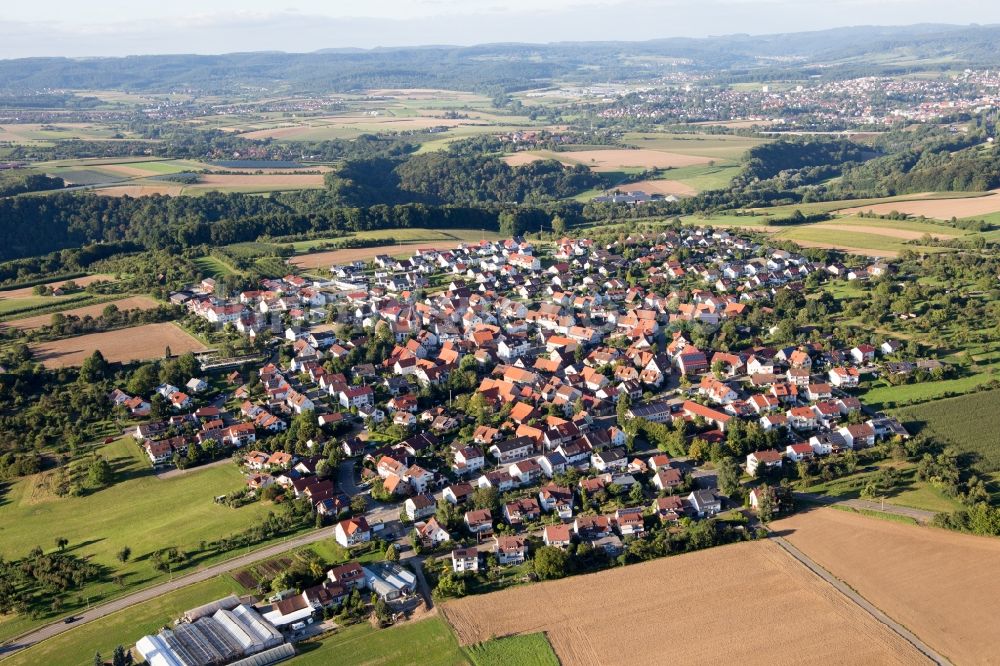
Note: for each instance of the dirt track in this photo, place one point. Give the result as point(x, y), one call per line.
point(748, 603)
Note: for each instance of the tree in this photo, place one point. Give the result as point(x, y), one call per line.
point(728, 476)
point(61, 543)
point(509, 226)
point(486, 498)
point(698, 449)
point(381, 610)
point(98, 659)
point(93, 368)
point(558, 225)
point(158, 407)
point(121, 657)
point(765, 503)
point(323, 469)
point(551, 562)
point(358, 504)
point(624, 403)
point(143, 380)
point(124, 554)
point(391, 554)
point(99, 473)
point(881, 483)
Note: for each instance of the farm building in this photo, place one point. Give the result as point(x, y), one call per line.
point(229, 634)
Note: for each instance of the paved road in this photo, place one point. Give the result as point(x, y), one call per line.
point(844, 589)
point(381, 514)
point(173, 471)
point(919, 515)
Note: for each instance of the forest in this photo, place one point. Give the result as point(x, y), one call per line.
point(438, 178)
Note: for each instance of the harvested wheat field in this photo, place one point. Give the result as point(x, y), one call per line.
point(942, 209)
point(132, 303)
point(334, 257)
point(528, 156)
point(139, 343)
point(664, 187)
point(613, 160)
point(25, 292)
point(135, 191)
point(747, 603)
point(943, 586)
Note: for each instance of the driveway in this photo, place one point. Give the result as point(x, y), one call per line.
point(345, 478)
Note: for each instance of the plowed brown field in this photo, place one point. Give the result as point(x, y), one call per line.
point(138, 343)
point(674, 187)
point(333, 257)
point(941, 585)
point(612, 160)
point(748, 603)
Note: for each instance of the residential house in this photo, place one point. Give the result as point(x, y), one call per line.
point(352, 531)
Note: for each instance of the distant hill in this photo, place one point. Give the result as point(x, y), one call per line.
point(498, 68)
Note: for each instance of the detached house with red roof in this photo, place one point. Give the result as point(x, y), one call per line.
point(767, 458)
point(352, 532)
point(843, 377)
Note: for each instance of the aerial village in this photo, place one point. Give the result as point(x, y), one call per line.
point(479, 403)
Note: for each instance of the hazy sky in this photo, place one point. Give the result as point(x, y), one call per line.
point(127, 27)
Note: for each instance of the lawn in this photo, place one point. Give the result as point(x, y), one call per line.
point(426, 642)
point(213, 266)
point(815, 235)
point(78, 645)
point(140, 511)
point(523, 650)
point(970, 422)
point(705, 176)
point(910, 492)
point(883, 395)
